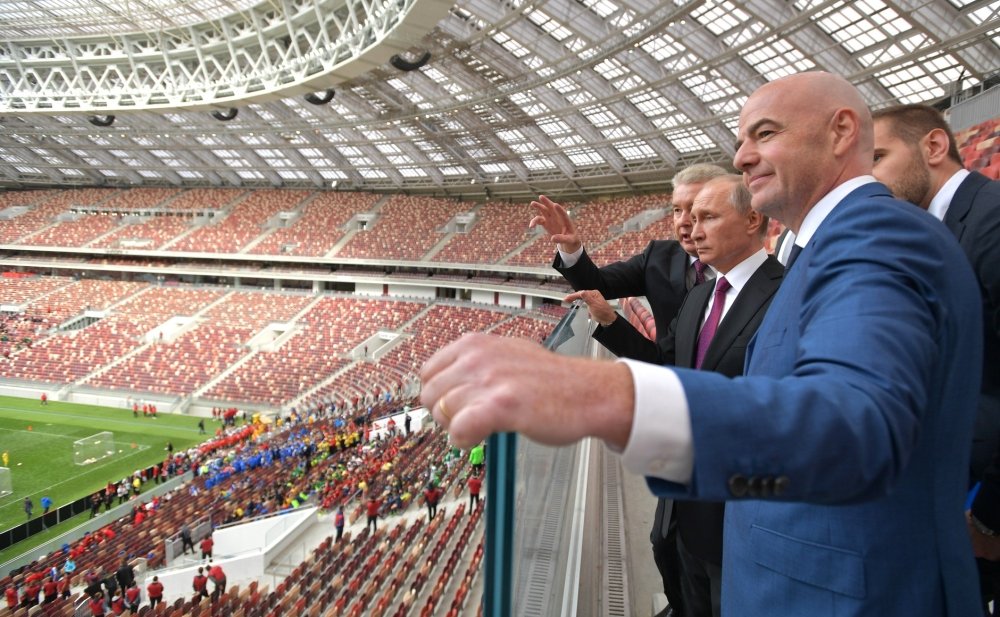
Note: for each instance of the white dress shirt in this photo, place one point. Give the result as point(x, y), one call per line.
point(661, 443)
point(939, 205)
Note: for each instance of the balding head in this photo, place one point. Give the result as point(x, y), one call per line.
point(799, 138)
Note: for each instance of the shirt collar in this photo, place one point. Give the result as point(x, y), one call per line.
point(741, 272)
point(939, 205)
point(815, 217)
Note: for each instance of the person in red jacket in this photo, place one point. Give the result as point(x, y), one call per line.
point(475, 484)
point(132, 598)
point(338, 522)
point(96, 604)
point(155, 592)
point(200, 584)
point(431, 497)
point(50, 590)
point(218, 578)
point(206, 547)
point(372, 508)
point(31, 593)
point(11, 595)
point(117, 603)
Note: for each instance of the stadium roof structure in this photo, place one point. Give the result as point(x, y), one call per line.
point(480, 98)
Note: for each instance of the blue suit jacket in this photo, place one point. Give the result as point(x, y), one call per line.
point(844, 451)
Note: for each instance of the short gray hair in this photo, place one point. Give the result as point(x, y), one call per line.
point(698, 174)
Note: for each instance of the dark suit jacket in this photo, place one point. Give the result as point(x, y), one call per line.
point(974, 218)
point(659, 273)
point(844, 452)
point(699, 523)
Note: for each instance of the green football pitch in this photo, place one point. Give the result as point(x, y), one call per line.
point(38, 440)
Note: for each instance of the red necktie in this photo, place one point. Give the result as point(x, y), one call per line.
point(712, 323)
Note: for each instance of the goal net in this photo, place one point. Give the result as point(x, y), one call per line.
point(94, 448)
point(6, 484)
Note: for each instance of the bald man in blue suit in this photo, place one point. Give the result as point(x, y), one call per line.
point(843, 452)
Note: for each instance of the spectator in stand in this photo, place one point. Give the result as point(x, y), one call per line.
point(218, 578)
point(133, 597)
point(65, 584)
point(31, 592)
point(372, 508)
point(28, 507)
point(125, 575)
point(475, 484)
point(338, 522)
point(11, 595)
point(477, 457)
point(117, 603)
point(406, 422)
point(96, 604)
point(186, 541)
point(200, 584)
point(206, 547)
point(431, 496)
point(50, 589)
point(155, 592)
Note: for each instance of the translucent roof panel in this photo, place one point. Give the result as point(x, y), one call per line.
point(517, 97)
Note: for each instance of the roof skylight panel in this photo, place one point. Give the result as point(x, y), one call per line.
point(372, 173)
point(689, 139)
point(536, 163)
point(603, 8)
point(495, 168)
point(584, 157)
point(635, 150)
point(149, 173)
point(292, 174)
point(70, 171)
point(777, 58)
point(332, 174)
point(412, 172)
point(453, 171)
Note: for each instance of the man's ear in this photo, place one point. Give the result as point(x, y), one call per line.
point(935, 147)
point(846, 129)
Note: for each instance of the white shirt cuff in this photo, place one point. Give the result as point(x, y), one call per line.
point(569, 259)
point(661, 443)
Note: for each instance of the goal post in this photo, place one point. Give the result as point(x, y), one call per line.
point(6, 483)
point(94, 448)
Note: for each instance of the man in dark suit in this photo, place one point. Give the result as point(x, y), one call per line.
point(917, 158)
point(663, 273)
point(842, 452)
point(729, 236)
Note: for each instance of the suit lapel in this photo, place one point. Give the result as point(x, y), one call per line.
point(961, 203)
point(689, 323)
point(678, 269)
point(754, 294)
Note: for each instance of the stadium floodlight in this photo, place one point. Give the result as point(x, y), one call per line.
point(6, 482)
point(94, 448)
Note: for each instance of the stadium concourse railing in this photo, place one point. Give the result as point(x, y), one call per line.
point(534, 516)
point(12, 536)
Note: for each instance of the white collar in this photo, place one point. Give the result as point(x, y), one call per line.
point(939, 205)
point(815, 217)
point(740, 274)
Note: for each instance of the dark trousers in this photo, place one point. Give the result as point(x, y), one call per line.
point(432, 509)
point(701, 584)
point(989, 585)
point(340, 533)
point(665, 555)
point(373, 522)
point(473, 502)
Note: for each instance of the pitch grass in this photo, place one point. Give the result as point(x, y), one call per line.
point(39, 440)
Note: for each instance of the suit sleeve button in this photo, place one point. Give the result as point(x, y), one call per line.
point(781, 485)
point(738, 485)
point(755, 486)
